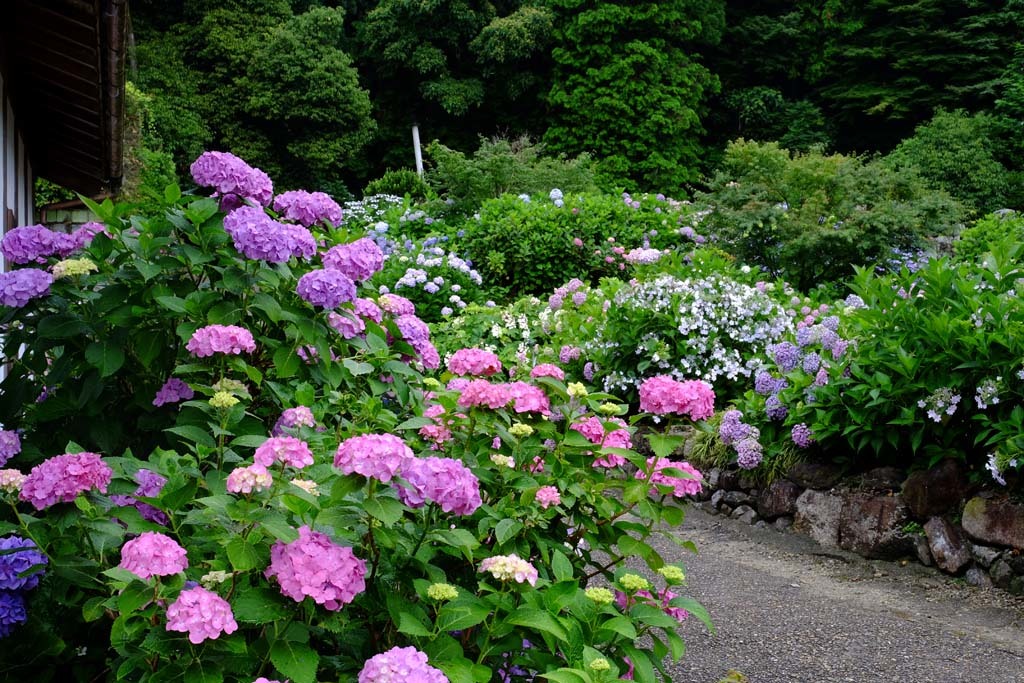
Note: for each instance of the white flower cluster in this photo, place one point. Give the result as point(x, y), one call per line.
point(368, 210)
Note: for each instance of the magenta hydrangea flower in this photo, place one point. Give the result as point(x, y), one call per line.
point(257, 236)
point(153, 554)
point(480, 392)
point(529, 399)
point(231, 177)
point(377, 456)
point(444, 481)
point(212, 339)
point(439, 432)
point(429, 356)
point(347, 324)
point(548, 496)
point(172, 391)
point(292, 418)
point(510, 568)
point(18, 287)
point(476, 362)
point(396, 305)
point(36, 242)
point(547, 370)
point(663, 601)
point(400, 665)
point(10, 445)
point(287, 449)
point(249, 479)
point(326, 288)
point(593, 429)
point(680, 486)
point(307, 208)
point(358, 260)
point(17, 556)
point(61, 478)
point(313, 566)
point(662, 395)
point(417, 334)
point(202, 614)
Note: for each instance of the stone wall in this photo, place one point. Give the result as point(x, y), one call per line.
point(933, 516)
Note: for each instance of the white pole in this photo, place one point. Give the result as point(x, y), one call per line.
point(416, 149)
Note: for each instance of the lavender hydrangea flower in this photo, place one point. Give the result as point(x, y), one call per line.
point(802, 435)
point(732, 429)
point(326, 288)
point(259, 237)
point(34, 243)
point(774, 408)
point(307, 208)
point(748, 453)
point(786, 355)
point(18, 287)
point(811, 363)
point(358, 260)
point(232, 178)
point(766, 384)
point(173, 391)
point(10, 445)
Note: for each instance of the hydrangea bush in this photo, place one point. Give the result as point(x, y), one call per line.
point(215, 472)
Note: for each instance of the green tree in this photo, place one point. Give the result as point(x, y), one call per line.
point(629, 90)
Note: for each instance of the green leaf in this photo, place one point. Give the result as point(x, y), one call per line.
point(539, 620)
point(172, 193)
point(243, 555)
point(410, 624)
point(105, 357)
point(203, 671)
point(193, 434)
point(172, 303)
point(296, 661)
point(561, 567)
point(259, 606)
point(462, 613)
point(134, 596)
point(286, 361)
point(565, 675)
point(622, 625)
point(249, 440)
point(414, 423)
point(506, 529)
point(357, 368)
point(61, 326)
point(664, 445)
point(387, 510)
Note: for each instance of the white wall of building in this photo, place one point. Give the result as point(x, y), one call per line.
point(15, 170)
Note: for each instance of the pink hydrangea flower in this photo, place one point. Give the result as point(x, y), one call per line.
point(593, 429)
point(510, 568)
point(347, 324)
point(249, 479)
point(400, 665)
point(307, 208)
point(547, 370)
point(212, 339)
point(368, 310)
point(396, 305)
point(477, 362)
point(262, 679)
point(444, 481)
point(11, 481)
point(377, 456)
point(287, 449)
point(663, 601)
point(313, 566)
point(358, 260)
point(681, 487)
point(202, 614)
point(292, 418)
point(662, 395)
point(438, 433)
point(232, 178)
point(537, 465)
point(548, 496)
point(153, 554)
point(480, 392)
point(529, 399)
point(60, 479)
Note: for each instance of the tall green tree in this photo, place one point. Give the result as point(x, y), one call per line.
point(629, 89)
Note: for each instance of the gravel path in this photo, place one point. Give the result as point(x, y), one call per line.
point(787, 610)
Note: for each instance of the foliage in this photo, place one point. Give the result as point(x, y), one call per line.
point(810, 218)
point(959, 153)
point(522, 245)
point(988, 234)
point(628, 88)
point(100, 345)
point(46, 192)
point(403, 182)
point(147, 168)
point(501, 166)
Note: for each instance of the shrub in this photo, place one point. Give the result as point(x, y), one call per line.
point(301, 503)
point(995, 230)
point(403, 183)
point(810, 218)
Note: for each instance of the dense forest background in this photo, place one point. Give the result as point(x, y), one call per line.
point(322, 94)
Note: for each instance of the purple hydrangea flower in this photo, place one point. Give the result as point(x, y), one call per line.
point(766, 384)
point(307, 208)
point(732, 428)
point(811, 363)
point(802, 435)
point(34, 243)
point(786, 355)
point(172, 391)
point(13, 565)
point(18, 287)
point(257, 236)
point(774, 408)
point(748, 453)
point(10, 445)
point(326, 288)
point(232, 178)
point(12, 612)
point(831, 323)
point(359, 260)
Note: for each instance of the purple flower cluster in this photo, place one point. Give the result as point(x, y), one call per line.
point(774, 408)
point(314, 566)
point(18, 287)
point(307, 208)
point(396, 305)
point(291, 418)
point(377, 456)
point(417, 334)
point(202, 614)
point(150, 484)
point(232, 179)
point(359, 260)
point(326, 288)
point(786, 355)
point(405, 664)
point(257, 236)
point(36, 242)
point(17, 556)
point(767, 385)
point(742, 437)
point(12, 612)
point(10, 445)
point(172, 391)
point(569, 289)
point(444, 481)
point(802, 435)
point(568, 353)
point(61, 478)
point(212, 339)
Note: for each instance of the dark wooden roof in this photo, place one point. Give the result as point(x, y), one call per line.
point(65, 63)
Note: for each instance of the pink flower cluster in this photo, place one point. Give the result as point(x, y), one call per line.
point(61, 478)
point(593, 429)
point(347, 324)
point(10, 445)
point(510, 568)
point(285, 449)
point(529, 399)
point(663, 601)
point(307, 208)
point(150, 484)
point(259, 237)
point(680, 486)
point(547, 370)
point(212, 339)
point(291, 418)
point(480, 392)
point(358, 260)
point(444, 481)
point(202, 614)
point(172, 391)
point(248, 479)
point(548, 496)
point(326, 288)
point(153, 554)
point(662, 395)
point(313, 566)
point(396, 305)
point(377, 456)
point(477, 362)
point(400, 665)
point(232, 178)
point(438, 433)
